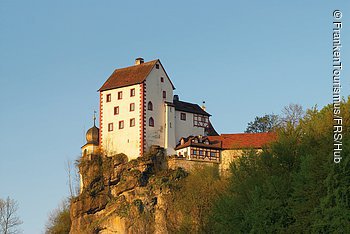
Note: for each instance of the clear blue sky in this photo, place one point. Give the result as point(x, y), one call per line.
point(244, 58)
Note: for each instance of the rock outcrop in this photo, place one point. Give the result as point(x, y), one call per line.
point(124, 197)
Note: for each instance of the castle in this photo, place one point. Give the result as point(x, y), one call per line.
point(138, 110)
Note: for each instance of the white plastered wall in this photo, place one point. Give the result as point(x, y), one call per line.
point(126, 140)
point(185, 128)
point(154, 93)
point(170, 142)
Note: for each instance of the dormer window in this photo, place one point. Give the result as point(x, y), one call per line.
point(150, 106)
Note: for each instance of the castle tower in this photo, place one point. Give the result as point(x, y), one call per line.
point(92, 141)
point(91, 147)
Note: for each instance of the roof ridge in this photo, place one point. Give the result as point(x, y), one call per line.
point(122, 68)
point(130, 75)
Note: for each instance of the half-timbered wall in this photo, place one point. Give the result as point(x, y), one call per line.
point(199, 153)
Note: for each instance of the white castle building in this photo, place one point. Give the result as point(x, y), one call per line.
point(138, 110)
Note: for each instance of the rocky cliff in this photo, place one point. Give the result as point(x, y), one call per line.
point(124, 197)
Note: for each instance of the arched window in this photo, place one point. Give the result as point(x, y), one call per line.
point(151, 122)
point(150, 106)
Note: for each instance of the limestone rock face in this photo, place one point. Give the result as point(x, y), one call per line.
point(123, 197)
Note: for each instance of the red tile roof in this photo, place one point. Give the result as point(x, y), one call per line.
point(245, 140)
point(129, 75)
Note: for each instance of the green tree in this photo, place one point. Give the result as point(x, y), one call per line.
point(293, 186)
point(266, 123)
point(193, 201)
point(59, 221)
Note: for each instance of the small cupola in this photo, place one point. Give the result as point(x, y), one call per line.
point(139, 61)
point(92, 136)
point(92, 141)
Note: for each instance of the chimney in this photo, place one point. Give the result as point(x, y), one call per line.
point(176, 98)
point(139, 61)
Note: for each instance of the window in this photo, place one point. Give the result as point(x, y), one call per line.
point(161, 79)
point(200, 121)
point(212, 154)
point(183, 116)
point(108, 97)
point(151, 122)
point(170, 124)
point(194, 152)
point(150, 106)
point(132, 122)
point(132, 106)
point(132, 92)
point(164, 94)
point(110, 127)
point(157, 66)
point(120, 95)
point(121, 124)
point(116, 110)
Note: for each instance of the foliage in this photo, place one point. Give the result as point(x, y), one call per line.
point(59, 221)
point(9, 221)
point(294, 186)
point(193, 200)
point(266, 123)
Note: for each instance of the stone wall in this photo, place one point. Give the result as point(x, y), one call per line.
point(188, 165)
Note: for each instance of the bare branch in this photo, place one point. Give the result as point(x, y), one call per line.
point(9, 221)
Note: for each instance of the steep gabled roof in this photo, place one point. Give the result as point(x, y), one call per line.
point(213, 144)
point(189, 107)
point(132, 75)
point(245, 140)
point(210, 130)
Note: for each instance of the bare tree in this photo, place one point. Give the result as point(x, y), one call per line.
point(9, 221)
point(292, 115)
point(73, 179)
